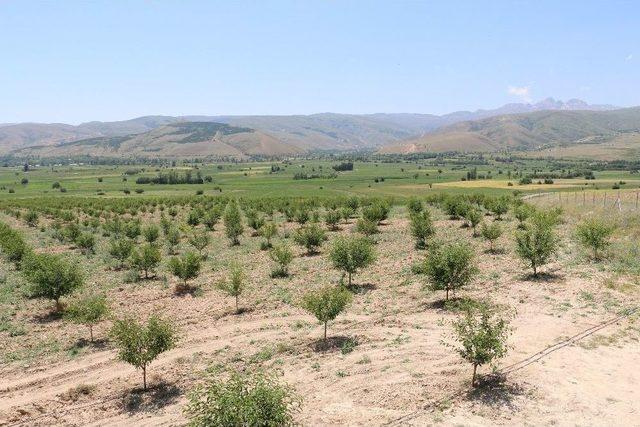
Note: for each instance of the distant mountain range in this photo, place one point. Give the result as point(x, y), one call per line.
point(540, 132)
point(510, 127)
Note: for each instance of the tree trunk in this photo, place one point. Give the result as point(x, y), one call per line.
point(447, 295)
point(325, 332)
point(237, 307)
point(535, 271)
point(349, 279)
point(91, 332)
point(58, 305)
point(144, 377)
point(473, 379)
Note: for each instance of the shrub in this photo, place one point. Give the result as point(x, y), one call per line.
point(326, 303)
point(51, 276)
point(282, 255)
point(233, 222)
point(594, 233)
point(146, 258)
point(242, 400)
point(421, 227)
point(491, 232)
point(450, 267)
point(481, 336)
point(120, 249)
point(185, 268)
point(140, 344)
point(537, 243)
point(351, 253)
point(87, 310)
point(310, 237)
point(235, 285)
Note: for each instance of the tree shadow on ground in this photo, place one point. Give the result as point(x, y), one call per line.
point(495, 391)
point(495, 251)
point(51, 316)
point(545, 276)
point(331, 344)
point(453, 304)
point(98, 344)
point(362, 288)
point(182, 289)
point(154, 398)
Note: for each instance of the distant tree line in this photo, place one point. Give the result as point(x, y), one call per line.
point(173, 177)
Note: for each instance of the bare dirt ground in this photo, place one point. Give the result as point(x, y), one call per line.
point(399, 373)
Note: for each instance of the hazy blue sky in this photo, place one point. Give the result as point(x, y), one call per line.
point(72, 61)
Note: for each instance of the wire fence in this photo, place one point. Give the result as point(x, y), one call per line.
point(612, 200)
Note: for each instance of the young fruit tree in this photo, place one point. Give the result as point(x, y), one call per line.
point(86, 242)
point(87, 310)
point(594, 233)
point(234, 286)
point(146, 259)
point(282, 255)
point(481, 336)
point(233, 223)
point(269, 230)
point(332, 218)
point(244, 399)
point(140, 344)
point(310, 237)
point(13, 245)
point(211, 218)
point(450, 267)
point(172, 239)
point(120, 249)
point(536, 244)
point(421, 227)
point(200, 241)
point(473, 217)
point(185, 268)
point(491, 232)
point(366, 227)
point(350, 254)
point(151, 233)
point(326, 303)
point(51, 276)
point(499, 206)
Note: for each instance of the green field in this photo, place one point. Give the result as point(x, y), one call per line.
point(398, 179)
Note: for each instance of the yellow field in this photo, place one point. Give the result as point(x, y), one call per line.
point(558, 183)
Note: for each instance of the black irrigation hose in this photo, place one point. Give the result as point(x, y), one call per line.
point(521, 364)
